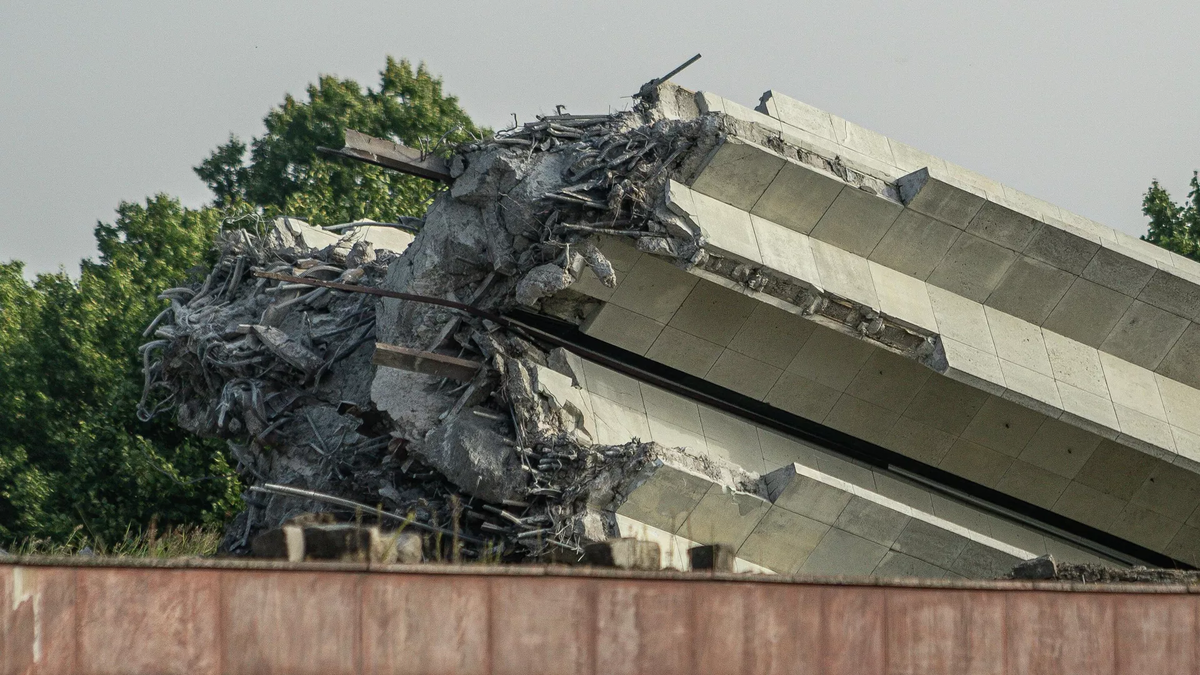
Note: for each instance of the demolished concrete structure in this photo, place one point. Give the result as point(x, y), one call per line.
point(699, 323)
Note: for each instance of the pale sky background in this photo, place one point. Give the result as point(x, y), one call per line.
point(1080, 103)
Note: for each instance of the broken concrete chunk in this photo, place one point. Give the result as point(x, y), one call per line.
point(376, 237)
point(624, 553)
point(287, 349)
point(1041, 567)
point(542, 281)
point(475, 453)
point(288, 232)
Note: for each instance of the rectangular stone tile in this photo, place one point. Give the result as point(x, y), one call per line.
point(417, 624)
point(780, 450)
point(743, 374)
point(614, 386)
point(973, 367)
point(1029, 205)
point(624, 328)
point(1087, 313)
point(934, 197)
point(919, 441)
point(1033, 390)
point(1032, 484)
point(1030, 290)
point(930, 543)
point(980, 561)
point(665, 500)
point(1067, 249)
point(861, 419)
point(1117, 470)
point(975, 463)
point(616, 424)
point(785, 251)
point(738, 173)
point(1089, 506)
point(1181, 402)
point(856, 221)
point(772, 335)
point(798, 113)
point(872, 521)
point(798, 197)
point(961, 319)
point(1187, 447)
point(915, 244)
point(843, 553)
point(973, 267)
point(732, 439)
point(727, 228)
point(1018, 535)
point(1185, 546)
point(911, 159)
point(724, 518)
point(1145, 527)
point(152, 621)
point(671, 408)
point(713, 312)
point(1171, 490)
point(683, 351)
point(847, 470)
point(1144, 433)
point(855, 137)
point(1132, 386)
point(1075, 363)
point(1088, 411)
point(946, 404)
point(1180, 363)
point(654, 288)
point(1018, 341)
point(1122, 269)
point(1003, 426)
point(1060, 448)
point(1144, 335)
point(809, 497)
point(908, 493)
point(269, 620)
point(899, 565)
point(782, 540)
point(674, 436)
point(801, 396)
point(1002, 225)
point(844, 274)
point(889, 380)
point(903, 298)
point(830, 358)
point(1175, 291)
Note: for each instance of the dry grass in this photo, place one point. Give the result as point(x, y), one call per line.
point(181, 541)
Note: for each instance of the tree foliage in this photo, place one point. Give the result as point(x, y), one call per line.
point(1173, 226)
point(73, 455)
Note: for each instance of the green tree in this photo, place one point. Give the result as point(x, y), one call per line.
point(286, 174)
point(72, 451)
point(1173, 226)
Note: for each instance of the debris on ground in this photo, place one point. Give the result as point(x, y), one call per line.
point(1045, 568)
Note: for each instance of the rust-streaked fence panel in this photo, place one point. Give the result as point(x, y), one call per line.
point(238, 618)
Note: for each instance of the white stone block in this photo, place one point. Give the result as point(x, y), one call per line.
point(1154, 434)
point(732, 439)
point(903, 298)
point(379, 237)
point(614, 386)
point(654, 288)
point(786, 251)
point(972, 181)
point(1132, 386)
point(1018, 341)
point(616, 424)
point(1088, 411)
point(1031, 389)
point(709, 102)
point(671, 408)
point(1075, 363)
point(911, 159)
point(798, 197)
point(961, 319)
point(799, 114)
point(1181, 402)
point(738, 173)
point(860, 139)
point(971, 366)
point(845, 274)
point(727, 229)
point(741, 112)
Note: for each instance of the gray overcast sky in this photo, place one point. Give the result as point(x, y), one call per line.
point(1080, 103)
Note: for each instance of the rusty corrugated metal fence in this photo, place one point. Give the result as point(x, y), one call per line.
point(258, 618)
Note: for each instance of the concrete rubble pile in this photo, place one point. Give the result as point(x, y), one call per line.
point(284, 371)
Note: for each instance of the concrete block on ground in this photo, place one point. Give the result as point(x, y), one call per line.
point(856, 221)
point(624, 553)
point(939, 199)
point(738, 173)
point(798, 197)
